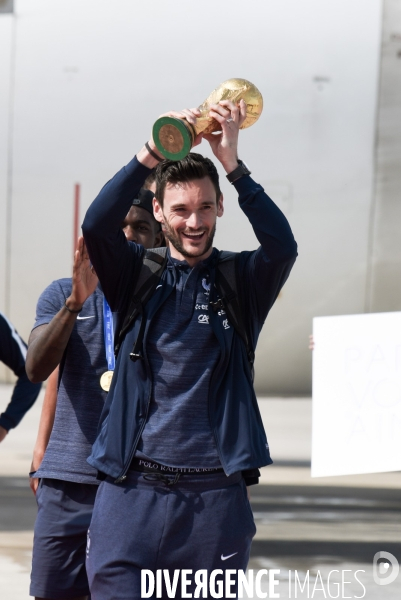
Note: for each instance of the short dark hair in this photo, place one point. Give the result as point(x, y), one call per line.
point(149, 180)
point(193, 166)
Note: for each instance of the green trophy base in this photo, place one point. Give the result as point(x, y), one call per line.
point(173, 137)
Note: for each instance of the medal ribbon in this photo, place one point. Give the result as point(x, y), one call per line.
point(108, 329)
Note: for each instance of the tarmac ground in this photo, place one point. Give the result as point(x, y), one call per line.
point(320, 534)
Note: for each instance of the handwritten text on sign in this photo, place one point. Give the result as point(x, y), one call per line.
point(356, 394)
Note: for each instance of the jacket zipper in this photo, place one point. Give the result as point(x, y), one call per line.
point(123, 474)
point(212, 379)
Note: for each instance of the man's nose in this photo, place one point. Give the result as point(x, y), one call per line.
point(129, 234)
point(194, 220)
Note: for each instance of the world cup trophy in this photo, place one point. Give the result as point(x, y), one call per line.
point(174, 137)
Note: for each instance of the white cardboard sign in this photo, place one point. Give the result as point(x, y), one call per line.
point(356, 425)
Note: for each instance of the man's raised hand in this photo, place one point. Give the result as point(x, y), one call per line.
point(225, 144)
point(84, 278)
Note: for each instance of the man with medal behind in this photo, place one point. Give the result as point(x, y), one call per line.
point(73, 330)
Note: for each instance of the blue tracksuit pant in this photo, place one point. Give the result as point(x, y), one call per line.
point(198, 522)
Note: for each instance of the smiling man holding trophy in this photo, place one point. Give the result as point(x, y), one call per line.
point(181, 436)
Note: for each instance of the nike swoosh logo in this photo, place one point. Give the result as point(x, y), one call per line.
point(82, 318)
point(229, 556)
point(159, 286)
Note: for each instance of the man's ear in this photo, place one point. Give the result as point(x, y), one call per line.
point(157, 211)
point(220, 206)
point(159, 239)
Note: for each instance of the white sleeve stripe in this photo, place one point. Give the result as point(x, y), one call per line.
point(15, 336)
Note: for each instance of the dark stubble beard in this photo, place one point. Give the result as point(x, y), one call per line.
point(175, 241)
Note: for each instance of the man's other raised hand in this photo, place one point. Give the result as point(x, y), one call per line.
point(225, 144)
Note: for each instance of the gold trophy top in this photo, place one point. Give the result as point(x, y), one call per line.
point(174, 137)
point(234, 90)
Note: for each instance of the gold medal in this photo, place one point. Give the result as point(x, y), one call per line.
point(105, 380)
